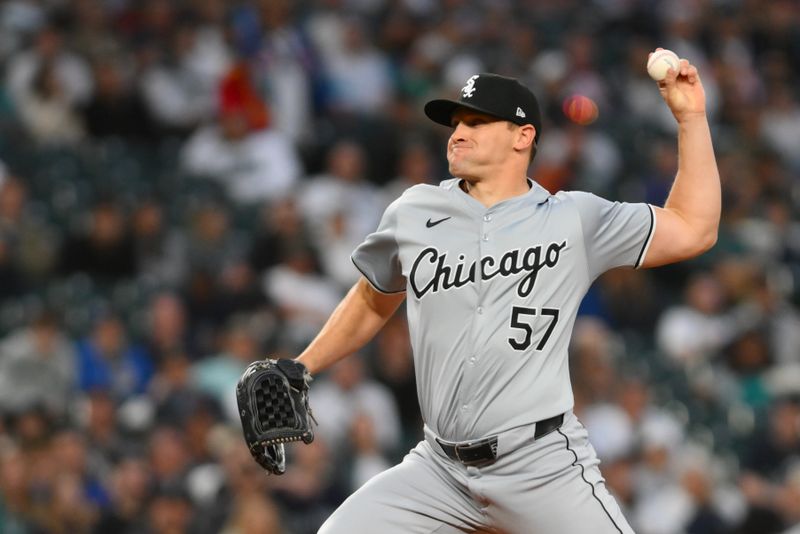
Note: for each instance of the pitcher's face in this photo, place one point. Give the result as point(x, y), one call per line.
point(478, 144)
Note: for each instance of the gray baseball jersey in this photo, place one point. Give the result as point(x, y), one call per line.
point(492, 295)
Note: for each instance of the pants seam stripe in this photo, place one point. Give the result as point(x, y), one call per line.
point(576, 463)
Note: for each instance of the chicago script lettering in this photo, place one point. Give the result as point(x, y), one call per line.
point(445, 276)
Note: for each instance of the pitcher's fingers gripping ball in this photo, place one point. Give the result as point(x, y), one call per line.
point(272, 396)
point(660, 62)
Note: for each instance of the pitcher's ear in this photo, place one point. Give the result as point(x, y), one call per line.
point(525, 136)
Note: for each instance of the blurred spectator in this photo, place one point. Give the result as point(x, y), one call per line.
point(179, 97)
point(12, 280)
point(416, 166)
point(37, 367)
point(167, 332)
point(584, 158)
point(628, 316)
point(72, 457)
point(684, 503)
point(13, 199)
point(789, 498)
point(682, 31)
point(780, 122)
point(102, 428)
point(583, 76)
point(611, 430)
point(594, 355)
point(205, 317)
point(368, 460)
point(345, 393)
point(238, 95)
point(68, 510)
point(31, 245)
point(19, 19)
point(104, 248)
point(211, 54)
point(251, 162)
point(169, 458)
point(253, 514)
point(116, 109)
point(31, 428)
point(218, 375)
point(662, 172)
point(693, 332)
point(779, 320)
point(658, 436)
point(310, 490)
point(242, 483)
point(93, 35)
point(748, 358)
point(287, 68)
point(46, 110)
point(303, 298)
point(169, 511)
point(240, 292)
point(338, 230)
point(108, 360)
point(160, 248)
point(173, 391)
point(128, 488)
point(14, 495)
point(357, 71)
point(393, 366)
point(212, 242)
point(772, 449)
point(199, 422)
point(67, 71)
point(325, 26)
point(281, 228)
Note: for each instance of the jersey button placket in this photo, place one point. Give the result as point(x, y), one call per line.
point(487, 218)
point(479, 310)
point(472, 359)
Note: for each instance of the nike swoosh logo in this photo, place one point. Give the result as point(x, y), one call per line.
point(431, 224)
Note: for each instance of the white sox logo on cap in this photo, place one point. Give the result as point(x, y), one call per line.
point(469, 89)
point(493, 94)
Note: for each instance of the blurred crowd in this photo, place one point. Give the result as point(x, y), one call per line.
point(182, 183)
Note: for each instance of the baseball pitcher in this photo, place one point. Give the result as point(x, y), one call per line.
point(493, 268)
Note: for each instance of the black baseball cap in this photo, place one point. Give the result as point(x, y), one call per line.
point(499, 96)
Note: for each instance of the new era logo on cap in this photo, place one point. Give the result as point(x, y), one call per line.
point(499, 96)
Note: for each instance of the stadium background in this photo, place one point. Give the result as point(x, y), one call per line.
point(183, 182)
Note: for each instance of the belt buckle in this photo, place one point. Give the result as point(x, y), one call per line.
point(457, 447)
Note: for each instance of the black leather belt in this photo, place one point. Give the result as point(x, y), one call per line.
point(484, 451)
point(545, 426)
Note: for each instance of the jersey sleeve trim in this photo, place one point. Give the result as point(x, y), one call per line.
point(650, 233)
point(375, 286)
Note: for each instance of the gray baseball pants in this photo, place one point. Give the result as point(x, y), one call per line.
point(549, 486)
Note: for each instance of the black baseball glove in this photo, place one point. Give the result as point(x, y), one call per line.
point(273, 404)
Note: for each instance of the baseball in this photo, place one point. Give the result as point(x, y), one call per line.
point(660, 62)
point(580, 109)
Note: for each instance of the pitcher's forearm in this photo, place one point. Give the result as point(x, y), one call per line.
point(356, 320)
point(696, 193)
